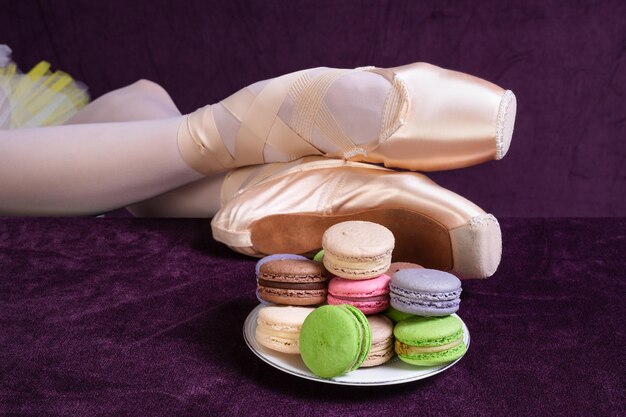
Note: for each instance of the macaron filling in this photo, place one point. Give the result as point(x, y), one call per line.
point(366, 267)
point(369, 305)
point(383, 344)
point(456, 351)
point(278, 327)
point(404, 349)
point(281, 344)
point(358, 260)
point(434, 342)
point(375, 299)
point(284, 277)
point(424, 295)
point(381, 347)
point(279, 292)
point(293, 285)
point(443, 305)
point(284, 337)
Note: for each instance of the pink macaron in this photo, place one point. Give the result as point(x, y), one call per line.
point(371, 296)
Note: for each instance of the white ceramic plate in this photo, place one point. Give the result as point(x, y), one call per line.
point(393, 372)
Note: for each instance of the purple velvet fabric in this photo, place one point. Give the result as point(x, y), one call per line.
point(144, 317)
point(564, 60)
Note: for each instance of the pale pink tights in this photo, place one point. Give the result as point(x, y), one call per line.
point(50, 171)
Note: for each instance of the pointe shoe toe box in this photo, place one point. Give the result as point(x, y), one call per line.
point(452, 120)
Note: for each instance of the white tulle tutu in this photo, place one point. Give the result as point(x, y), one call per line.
point(38, 98)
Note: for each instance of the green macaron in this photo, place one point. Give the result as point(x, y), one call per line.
point(334, 340)
point(319, 257)
point(429, 341)
point(396, 315)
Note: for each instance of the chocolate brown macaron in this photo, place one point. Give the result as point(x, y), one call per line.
point(292, 282)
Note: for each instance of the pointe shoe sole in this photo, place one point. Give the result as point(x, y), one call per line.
point(419, 239)
point(469, 248)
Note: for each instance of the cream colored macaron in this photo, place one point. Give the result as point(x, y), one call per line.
point(382, 348)
point(357, 249)
point(278, 327)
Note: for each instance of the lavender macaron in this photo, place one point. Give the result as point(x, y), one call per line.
point(425, 292)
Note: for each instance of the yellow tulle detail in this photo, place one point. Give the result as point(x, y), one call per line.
point(38, 98)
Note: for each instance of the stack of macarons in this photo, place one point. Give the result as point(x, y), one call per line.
point(348, 332)
point(422, 301)
point(358, 253)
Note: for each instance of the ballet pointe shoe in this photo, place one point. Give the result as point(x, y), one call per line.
point(453, 120)
point(286, 207)
point(432, 119)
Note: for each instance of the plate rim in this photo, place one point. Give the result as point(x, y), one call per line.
point(436, 369)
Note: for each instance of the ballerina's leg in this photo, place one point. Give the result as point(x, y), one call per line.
point(84, 169)
point(146, 100)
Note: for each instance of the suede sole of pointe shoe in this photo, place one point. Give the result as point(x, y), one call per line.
point(470, 251)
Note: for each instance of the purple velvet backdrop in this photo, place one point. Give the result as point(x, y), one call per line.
point(565, 61)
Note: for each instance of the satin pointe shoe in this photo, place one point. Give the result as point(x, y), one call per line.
point(416, 117)
point(286, 207)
